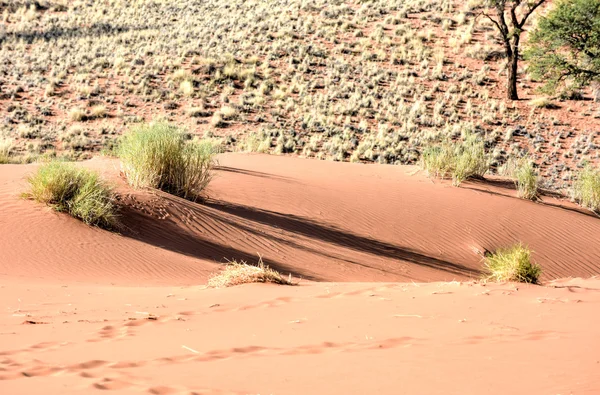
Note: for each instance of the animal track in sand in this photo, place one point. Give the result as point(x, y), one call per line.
point(111, 332)
point(13, 370)
point(321, 348)
point(127, 365)
point(162, 390)
point(280, 301)
point(41, 370)
point(89, 375)
point(39, 347)
point(93, 364)
point(359, 292)
point(284, 300)
point(513, 337)
point(112, 384)
point(218, 308)
point(555, 300)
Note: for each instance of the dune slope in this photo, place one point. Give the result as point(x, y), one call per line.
point(322, 221)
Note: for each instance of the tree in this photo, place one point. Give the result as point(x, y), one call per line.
point(564, 49)
point(509, 18)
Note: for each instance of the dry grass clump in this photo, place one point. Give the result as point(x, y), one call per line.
point(198, 111)
point(586, 189)
point(527, 180)
point(5, 150)
point(256, 142)
point(512, 264)
point(158, 156)
point(236, 273)
point(543, 102)
point(459, 160)
point(79, 192)
point(346, 81)
point(98, 111)
point(228, 112)
point(77, 114)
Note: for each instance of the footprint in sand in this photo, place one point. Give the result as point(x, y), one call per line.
point(41, 371)
point(162, 390)
point(87, 365)
point(112, 384)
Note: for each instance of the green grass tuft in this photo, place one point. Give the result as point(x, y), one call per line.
point(5, 150)
point(79, 192)
point(512, 264)
point(527, 180)
point(586, 189)
point(158, 156)
point(459, 160)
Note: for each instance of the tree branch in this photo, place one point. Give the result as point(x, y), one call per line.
point(492, 20)
point(513, 14)
point(531, 10)
point(502, 20)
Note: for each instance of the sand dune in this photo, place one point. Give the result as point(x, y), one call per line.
point(321, 221)
point(437, 338)
point(38, 243)
point(85, 310)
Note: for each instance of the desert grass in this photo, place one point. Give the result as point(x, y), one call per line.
point(526, 180)
point(158, 156)
point(511, 264)
point(256, 142)
point(458, 160)
point(586, 189)
point(5, 150)
point(236, 273)
point(345, 81)
point(77, 114)
point(543, 102)
point(79, 192)
point(509, 167)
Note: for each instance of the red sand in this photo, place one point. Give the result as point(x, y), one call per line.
point(352, 338)
point(85, 310)
point(318, 220)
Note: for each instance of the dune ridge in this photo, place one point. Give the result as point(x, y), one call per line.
point(90, 311)
point(319, 221)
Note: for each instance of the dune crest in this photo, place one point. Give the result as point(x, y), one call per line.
point(320, 221)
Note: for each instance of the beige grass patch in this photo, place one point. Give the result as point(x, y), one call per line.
point(236, 273)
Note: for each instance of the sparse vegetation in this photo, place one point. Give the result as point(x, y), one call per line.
point(512, 264)
point(74, 190)
point(98, 111)
point(236, 273)
point(458, 160)
point(257, 142)
point(586, 189)
point(376, 81)
point(5, 150)
point(543, 102)
point(158, 156)
point(77, 114)
point(526, 179)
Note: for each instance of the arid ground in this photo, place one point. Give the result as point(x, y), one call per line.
point(357, 81)
point(321, 114)
point(87, 310)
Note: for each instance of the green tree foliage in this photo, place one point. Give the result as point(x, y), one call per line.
point(564, 49)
